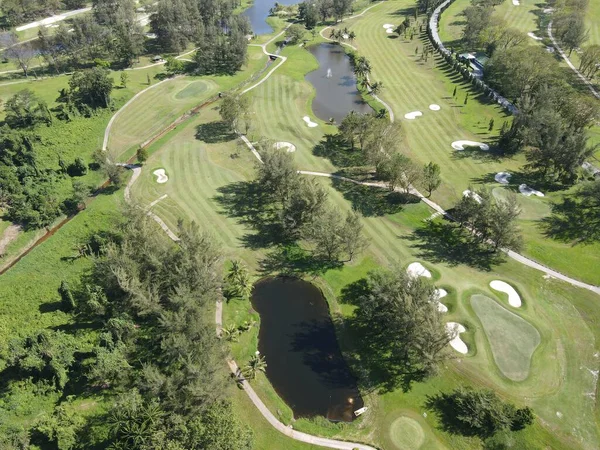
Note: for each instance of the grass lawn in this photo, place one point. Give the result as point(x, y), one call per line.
point(200, 167)
point(512, 339)
point(159, 107)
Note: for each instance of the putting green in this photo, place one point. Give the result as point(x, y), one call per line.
point(512, 339)
point(192, 89)
point(406, 433)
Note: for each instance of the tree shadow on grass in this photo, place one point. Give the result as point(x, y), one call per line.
point(214, 132)
point(446, 242)
point(336, 149)
point(292, 260)
point(445, 408)
point(373, 201)
point(571, 223)
point(249, 204)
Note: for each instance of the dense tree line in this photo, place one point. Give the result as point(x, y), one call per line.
point(553, 117)
point(17, 12)
point(314, 12)
point(30, 192)
point(156, 353)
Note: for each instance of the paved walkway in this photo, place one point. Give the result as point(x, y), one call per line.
point(570, 64)
point(52, 19)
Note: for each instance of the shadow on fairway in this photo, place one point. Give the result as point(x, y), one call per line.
point(446, 242)
point(214, 132)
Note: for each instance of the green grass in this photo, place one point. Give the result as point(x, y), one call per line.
point(512, 339)
point(159, 107)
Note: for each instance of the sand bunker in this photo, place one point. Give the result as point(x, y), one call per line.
point(533, 36)
point(502, 177)
point(388, 25)
point(516, 2)
point(309, 122)
point(548, 10)
point(417, 270)
point(441, 293)
point(413, 115)
point(462, 145)
point(457, 343)
point(527, 191)
point(161, 176)
point(389, 30)
point(285, 145)
point(473, 195)
point(434, 107)
point(514, 299)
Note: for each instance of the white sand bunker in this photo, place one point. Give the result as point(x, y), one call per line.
point(461, 145)
point(441, 293)
point(434, 107)
point(514, 299)
point(457, 343)
point(417, 270)
point(413, 115)
point(161, 176)
point(388, 25)
point(503, 177)
point(285, 145)
point(389, 28)
point(533, 36)
point(527, 191)
point(516, 2)
point(309, 122)
point(475, 196)
point(548, 10)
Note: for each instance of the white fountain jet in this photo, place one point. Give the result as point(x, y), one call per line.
point(328, 73)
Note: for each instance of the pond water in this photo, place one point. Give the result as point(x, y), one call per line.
point(298, 341)
point(259, 11)
point(335, 83)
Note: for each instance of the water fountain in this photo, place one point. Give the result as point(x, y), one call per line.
point(329, 75)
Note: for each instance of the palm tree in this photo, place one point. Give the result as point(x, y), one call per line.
point(352, 36)
point(332, 33)
point(238, 280)
point(362, 68)
point(256, 364)
point(376, 87)
point(230, 333)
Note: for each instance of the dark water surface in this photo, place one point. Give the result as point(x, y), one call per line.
point(259, 11)
point(337, 94)
point(298, 341)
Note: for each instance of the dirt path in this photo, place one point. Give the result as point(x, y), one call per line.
point(9, 235)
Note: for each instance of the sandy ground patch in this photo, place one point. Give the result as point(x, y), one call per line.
point(441, 293)
point(462, 145)
point(533, 36)
point(309, 122)
point(10, 234)
point(473, 195)
point(514, 299)
point(417, 269)
point(528, 192)
point(503, 177)
point(161, 176)
point(413, 115)
point(435, 107)
point(288, 146)
point(457, 343)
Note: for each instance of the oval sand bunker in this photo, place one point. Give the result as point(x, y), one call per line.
point(514, 299)
point(413, 115)
point(161, 176)
point(527, 191)
point(462, 145)
point(441, 293)
point(287, 146)
point(457, 343)
point(417, 269)
point(309, 122)
point(503, 177)
point(434, 107)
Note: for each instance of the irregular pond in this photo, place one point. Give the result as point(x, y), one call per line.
point(259, 11)
point(335, 84)
point(298, 341)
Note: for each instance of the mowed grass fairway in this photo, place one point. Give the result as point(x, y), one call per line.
point(512, 339)
point(411, 84)
point(160, 106)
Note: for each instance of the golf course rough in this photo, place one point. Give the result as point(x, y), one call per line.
point(512, 339)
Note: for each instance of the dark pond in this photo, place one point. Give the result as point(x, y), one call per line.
point(335, 83)
point(298, 341)
point(259, 11)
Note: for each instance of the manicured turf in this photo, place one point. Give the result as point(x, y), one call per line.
point(512, 339)
point(406, 433)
